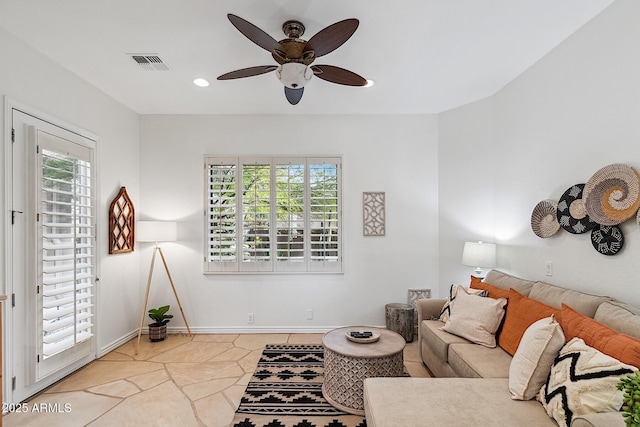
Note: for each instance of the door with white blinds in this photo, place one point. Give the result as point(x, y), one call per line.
point(52, 243)
point(66, 246)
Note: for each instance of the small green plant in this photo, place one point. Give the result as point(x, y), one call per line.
point(630, 385)
point(159, 315)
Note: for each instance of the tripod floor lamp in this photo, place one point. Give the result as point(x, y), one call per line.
point(157, 231)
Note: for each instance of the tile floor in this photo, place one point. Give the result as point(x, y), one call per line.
point(183, 381)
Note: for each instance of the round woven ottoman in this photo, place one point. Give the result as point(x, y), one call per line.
point(348, 363)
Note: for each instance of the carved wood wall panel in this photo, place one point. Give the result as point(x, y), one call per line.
point(373, 213)
point(121, 224)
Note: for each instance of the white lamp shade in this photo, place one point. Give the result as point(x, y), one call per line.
point(156, 231)
point(479, 254)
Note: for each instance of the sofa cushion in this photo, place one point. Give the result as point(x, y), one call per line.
point(582, 380)
point(476, 318)
point(619, 346)
point(506, 281)
point(476, 361)
point(532, 362)
point(460, 402)
point(438, 340)
point(619, 316)
point(556, 296)
point(521, 313)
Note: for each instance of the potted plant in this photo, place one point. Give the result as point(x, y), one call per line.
point(630, 385)
point(158, 329)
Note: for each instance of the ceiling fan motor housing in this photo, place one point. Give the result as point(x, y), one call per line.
point(293, 29)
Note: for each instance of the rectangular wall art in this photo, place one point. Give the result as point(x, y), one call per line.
point(373, 213)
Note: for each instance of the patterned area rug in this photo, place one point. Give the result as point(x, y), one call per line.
point(286, 391)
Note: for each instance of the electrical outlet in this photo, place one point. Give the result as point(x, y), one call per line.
point(249, 317)
point(309, 314)
point(549, 268)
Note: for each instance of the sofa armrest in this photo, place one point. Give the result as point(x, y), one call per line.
point(605, 419)
point(428, 308)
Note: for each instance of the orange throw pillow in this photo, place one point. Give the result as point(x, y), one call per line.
point(522, 312)
point(474, 280)
point(619, 346)
point(492, 291)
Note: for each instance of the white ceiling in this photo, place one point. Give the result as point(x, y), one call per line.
point(425, 56)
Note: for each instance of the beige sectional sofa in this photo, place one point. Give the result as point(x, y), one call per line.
point(471, 387)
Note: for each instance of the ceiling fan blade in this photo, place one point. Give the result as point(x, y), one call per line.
point(247, 72)
point(338, 75)
point(254, 33)
point(332, 37)
point(293, 95)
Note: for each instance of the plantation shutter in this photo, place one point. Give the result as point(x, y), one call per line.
point(66, 243)
point(324, 215)
point(291, 230)
point(222, 218)
point(256, 216)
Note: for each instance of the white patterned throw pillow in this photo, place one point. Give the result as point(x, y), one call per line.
point(582, 381)
point(453, 290)
point(476, 319)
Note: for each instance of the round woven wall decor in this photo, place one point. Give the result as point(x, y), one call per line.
point(608, 240)
point(572, 214)
point(544, 220)
point(612, 194)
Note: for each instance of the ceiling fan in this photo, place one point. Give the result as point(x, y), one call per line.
point(295, 55)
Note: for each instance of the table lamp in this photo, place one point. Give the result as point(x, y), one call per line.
point(479, 255)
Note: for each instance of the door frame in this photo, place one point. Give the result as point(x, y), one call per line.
point(11, 104)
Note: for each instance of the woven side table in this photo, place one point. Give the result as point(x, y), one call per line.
point(347, 364)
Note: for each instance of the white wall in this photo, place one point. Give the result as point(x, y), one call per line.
point(574, 112)
point(473, 173)
point(395, 154)
point(28, 77)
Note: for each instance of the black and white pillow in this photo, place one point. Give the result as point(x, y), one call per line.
point(582, 381)
point(453, 290)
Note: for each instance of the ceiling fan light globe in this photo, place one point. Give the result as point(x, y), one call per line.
point(294, 75)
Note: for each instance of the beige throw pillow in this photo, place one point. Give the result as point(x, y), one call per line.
point(476, 318)
point(534, 357)
point(453, 291)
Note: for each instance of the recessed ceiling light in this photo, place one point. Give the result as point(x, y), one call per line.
point(369, 83)
point(201, 82)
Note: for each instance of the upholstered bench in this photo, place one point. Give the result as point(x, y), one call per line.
point(413, 402)
point(460, 402)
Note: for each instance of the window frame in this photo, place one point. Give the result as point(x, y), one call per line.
point(274, 265)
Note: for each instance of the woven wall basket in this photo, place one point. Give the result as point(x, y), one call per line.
point(572, 214)
point(544, 220)
point(612, 194)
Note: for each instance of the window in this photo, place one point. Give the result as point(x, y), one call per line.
point(273, 215)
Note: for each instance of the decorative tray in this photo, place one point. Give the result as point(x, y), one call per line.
point(362, 336)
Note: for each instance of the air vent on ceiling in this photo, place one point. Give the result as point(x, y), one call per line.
point(149, 62)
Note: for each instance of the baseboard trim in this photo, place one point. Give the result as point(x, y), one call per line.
point(257, 329)
point(251, 330)
point(117, 343)
point(222, 330)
